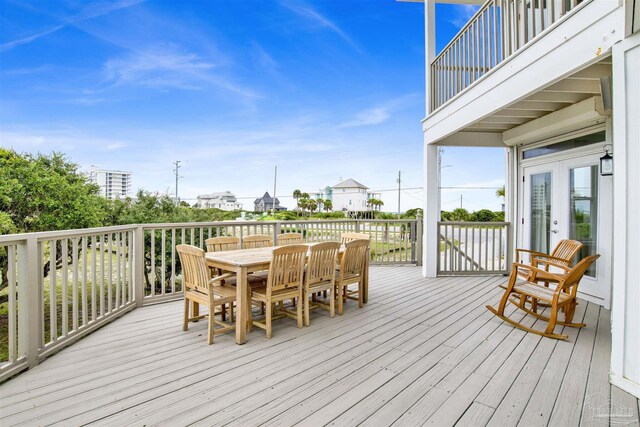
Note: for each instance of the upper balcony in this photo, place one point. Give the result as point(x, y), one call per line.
point(516, 61)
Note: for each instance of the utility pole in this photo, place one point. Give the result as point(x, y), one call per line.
point(461, 201)
point(399, 181)
point(275, 180)
point(177, 168)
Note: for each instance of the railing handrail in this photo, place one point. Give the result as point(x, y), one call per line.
point(76, 232)
point(493, 223)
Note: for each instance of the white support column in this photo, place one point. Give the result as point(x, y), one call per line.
point(625, 317)
point(430, 46)
point(431, 209)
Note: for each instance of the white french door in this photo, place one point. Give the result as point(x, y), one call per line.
point(566, 198)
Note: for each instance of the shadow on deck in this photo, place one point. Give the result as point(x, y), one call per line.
point(422, 351)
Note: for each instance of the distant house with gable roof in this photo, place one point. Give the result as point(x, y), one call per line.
point(266, 204)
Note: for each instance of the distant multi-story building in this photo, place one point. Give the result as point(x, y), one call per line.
point(225, 200)
point(114, 184)
point(349, 195)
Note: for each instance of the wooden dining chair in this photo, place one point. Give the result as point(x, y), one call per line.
point(200, 288)
point(285, 282)
point(348, 237)
point(290, 239)
point(257, 241)
point(222, 243)
point(564, 296)
point(320, 276)
point(352, 271)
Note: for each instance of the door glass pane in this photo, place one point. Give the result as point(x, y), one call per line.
point(541, 212)
point(583, 199)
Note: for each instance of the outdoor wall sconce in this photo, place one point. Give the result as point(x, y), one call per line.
point(606, 162)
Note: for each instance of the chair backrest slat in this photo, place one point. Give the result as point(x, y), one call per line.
point(223, 243)
point(354, 258)
point(257, 241)
point(287, 267)
point(349, 237)
point(195, 274)
point(290, 239)
point(321, 265)
point(566, 249)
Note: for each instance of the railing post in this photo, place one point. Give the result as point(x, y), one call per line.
point(510, 249)
point(138, 265)
point(357, 225)
point(419, 240)
point(276, 232)
point(29, 314)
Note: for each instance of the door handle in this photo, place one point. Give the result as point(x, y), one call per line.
point(555, 231)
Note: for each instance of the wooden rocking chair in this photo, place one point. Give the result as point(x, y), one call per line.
point(562, 254)
point(563, 297)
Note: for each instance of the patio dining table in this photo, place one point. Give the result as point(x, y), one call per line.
point(242, 262)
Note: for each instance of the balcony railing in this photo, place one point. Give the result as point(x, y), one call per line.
point(62, 285)
point(499, 29)
point(468, 248)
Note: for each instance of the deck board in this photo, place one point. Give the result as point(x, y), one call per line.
point(422, 351)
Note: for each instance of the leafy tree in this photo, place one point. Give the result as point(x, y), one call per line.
point(43, 193)
point(459, 214)
point(483, 215)
point(328, 205)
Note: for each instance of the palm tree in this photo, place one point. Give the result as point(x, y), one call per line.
point(500, 192)
point(328, 205)
point(379, 204)
point(313, 205)
point(303, 203)
point(296, 195)
point(305, 195)
point(320, 202)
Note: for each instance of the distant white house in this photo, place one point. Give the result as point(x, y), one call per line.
point(225, 200)
point(349, 195)
point(114, 184)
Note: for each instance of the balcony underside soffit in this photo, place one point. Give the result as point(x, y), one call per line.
point(582, 85)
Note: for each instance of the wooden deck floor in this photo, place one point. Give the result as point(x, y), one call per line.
point(429, 354)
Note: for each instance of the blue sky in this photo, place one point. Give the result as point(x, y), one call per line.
point(323, 89)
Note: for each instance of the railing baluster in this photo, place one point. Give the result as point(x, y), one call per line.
point(12, 311)
point(118, 275)
point(94, 277)
point(173, 259)
point(163, 243)
point(84, 280)
point(109, 272)
point(102, 247)
point(53, 305)
point(74, 284)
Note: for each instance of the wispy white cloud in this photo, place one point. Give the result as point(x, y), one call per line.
point(463, 13)
point(168, 67)
point(370, 116)
point(92, 10)
point(312, 15)
point(378, 114)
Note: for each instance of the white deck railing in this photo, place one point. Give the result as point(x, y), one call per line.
point(62, 285)
point(499, 29)
point(468, 248)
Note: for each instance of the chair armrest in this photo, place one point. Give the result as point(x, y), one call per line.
point(216, 281)
point(551, 258)
point(529, 251)
point(551, 264)
point(533, 269)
